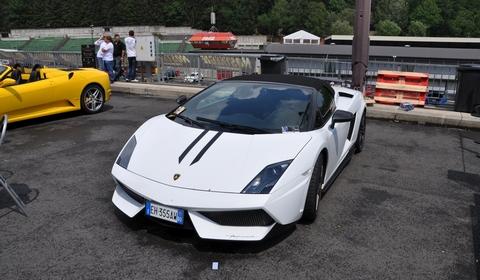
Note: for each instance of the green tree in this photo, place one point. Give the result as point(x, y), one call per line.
point(238, 16)
point(337, 5)
point(347, 14)
point(316, 21)
point(417, 28)
point(465, 24)
point(273, 17)
point(393, 10)
point(341, 27)
point(428, 12)
point(387, 28)
point(308, 15)
point(174, 14)
point(276, 20)
point(16, 10)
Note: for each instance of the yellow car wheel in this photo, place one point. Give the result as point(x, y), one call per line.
point(92, 99)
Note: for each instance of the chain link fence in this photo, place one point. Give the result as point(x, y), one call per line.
point(205, 68)
point(442, 78)
point(50, 59)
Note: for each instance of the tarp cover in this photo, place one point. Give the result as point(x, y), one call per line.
point(212, 37)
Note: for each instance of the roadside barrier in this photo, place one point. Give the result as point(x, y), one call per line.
point(211, 67)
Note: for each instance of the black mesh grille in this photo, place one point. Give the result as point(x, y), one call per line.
point(130, 193)
point(187, 222)
point(250, 218)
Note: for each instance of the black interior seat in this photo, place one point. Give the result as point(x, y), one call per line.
point(35, 74)
point(17, 73)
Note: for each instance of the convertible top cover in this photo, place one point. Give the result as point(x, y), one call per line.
point(286, 79)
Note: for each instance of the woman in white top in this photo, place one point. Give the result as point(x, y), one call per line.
point(107, 49)
point(100, 53)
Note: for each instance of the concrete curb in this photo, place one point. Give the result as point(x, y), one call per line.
point(378, 111)
point(163, 91)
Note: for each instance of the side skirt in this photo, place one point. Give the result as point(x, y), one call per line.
point(340, 168)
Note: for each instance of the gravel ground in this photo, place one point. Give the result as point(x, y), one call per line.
point(408, 207)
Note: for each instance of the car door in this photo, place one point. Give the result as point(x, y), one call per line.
point(27, 99)
point(335, 136)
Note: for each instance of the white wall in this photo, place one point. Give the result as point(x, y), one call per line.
point(251, 41)
point(301, 41)
point(80, 32)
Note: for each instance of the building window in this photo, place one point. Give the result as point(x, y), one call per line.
point(306, 41)
point(314, 42)
point(288, 41)
point(296, 41)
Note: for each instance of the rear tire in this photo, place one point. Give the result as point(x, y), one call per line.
point(314, 193)
point(360, 143)
point(92, 99)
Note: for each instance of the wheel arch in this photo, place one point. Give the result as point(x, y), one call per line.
point(94, 84)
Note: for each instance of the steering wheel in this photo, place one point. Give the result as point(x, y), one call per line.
point(3, 128)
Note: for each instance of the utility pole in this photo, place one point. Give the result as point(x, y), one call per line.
point(361, 43)
point(91, 33)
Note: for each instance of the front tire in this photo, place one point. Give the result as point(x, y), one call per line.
point(314, 193)
point(92, 99)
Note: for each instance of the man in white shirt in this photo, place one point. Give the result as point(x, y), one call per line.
point(107, 49)
point(130, 44)
point(100, 53)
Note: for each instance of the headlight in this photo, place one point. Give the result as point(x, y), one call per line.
point(124, 158)
point(267, 178)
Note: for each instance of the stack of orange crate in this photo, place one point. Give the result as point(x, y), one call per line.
point(394, 87)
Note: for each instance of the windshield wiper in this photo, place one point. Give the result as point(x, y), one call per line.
point(189, 120)
point(240, 127)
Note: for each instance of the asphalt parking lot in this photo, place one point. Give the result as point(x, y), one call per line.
point(408, 207)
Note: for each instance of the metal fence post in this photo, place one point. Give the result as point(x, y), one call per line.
point(162, 56)
point(159, 67)
point(198, 66)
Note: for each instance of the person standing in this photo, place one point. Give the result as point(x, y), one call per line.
point(131, 43)
point(98, 43)
point(118, 56)
point(107, 49)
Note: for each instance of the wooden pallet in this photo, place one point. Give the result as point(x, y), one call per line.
point(369, 101)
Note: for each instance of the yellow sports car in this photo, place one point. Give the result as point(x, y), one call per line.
point(41, 91)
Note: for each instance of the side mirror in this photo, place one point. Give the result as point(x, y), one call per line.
point(7, 82)
point(341, 116)
point(182, 99)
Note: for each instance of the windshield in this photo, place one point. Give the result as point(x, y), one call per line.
point(249, 107)
point(2, 69)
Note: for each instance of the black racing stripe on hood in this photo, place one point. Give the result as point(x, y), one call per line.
point(210, 143)
point(182, 156)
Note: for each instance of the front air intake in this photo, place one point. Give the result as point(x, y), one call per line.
point(248, 218)
point(130, 193)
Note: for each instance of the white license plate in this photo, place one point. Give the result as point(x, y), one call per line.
point(165, 213)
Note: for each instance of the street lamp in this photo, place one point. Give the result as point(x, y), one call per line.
point(91, 33)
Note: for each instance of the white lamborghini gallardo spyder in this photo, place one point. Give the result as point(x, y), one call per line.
point(241, 156)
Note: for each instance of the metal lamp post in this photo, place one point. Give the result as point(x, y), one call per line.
point(361, 43)
point(91, 33)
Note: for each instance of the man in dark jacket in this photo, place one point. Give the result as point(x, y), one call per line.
point(118, 55)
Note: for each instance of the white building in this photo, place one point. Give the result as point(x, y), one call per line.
point(301, 37)
point(251, 42)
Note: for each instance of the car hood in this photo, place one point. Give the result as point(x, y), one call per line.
point(227, 165)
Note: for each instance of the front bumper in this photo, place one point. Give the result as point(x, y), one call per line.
point(283, 207)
